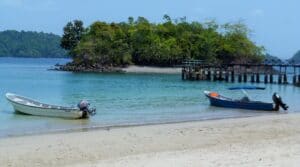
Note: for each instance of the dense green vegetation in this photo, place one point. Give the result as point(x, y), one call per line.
point(296, 58)
point(161, 44)
point(30, 44)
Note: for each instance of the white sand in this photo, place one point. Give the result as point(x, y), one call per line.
point(157, 70)
point(256, 141)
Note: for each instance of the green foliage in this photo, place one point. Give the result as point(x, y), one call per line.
point(237, 47)
point(164, 44)
point(72, 35)
point(103, 44)
point(30, 44)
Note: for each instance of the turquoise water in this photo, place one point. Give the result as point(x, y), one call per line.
point(120, 99)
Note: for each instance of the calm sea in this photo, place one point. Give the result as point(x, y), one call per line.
point(120, 99)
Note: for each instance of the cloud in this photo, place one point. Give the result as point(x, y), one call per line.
point(257, 12)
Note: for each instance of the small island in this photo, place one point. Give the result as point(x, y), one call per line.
point(109, 47)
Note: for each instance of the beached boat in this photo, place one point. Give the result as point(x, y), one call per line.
point(245, 103)
point(28, 106)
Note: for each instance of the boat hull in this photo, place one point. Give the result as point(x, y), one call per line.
point(228, 103)
point(49, 112)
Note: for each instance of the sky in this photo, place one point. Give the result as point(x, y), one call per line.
point(275, 24)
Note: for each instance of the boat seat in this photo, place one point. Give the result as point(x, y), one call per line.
point(214, 94)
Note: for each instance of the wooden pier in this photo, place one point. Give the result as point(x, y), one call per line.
point(254, 73)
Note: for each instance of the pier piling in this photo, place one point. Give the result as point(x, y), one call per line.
point(232, 76)
point(245, 77)
point(198, 70)
point(279, 79)
point(252, 78)
point(266, 78)
point(226, 76)
point(257, 78)
point(240, 78)
point(271, 78)
point(215, 76)
point(285, 79)
point(208, 76)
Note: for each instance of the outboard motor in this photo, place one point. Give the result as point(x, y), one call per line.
point(278, 102)
point(83, 105)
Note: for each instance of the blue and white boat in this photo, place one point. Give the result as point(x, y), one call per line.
point(245, 103)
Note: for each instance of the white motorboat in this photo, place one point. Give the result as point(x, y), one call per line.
point(28, 106)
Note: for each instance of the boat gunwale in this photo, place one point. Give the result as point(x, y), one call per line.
point(55, 107)
point(233, 100)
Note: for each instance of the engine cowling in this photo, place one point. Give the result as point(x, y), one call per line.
point(278, 102)
point(83, 105)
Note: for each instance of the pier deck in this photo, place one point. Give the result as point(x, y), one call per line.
point(254, 73)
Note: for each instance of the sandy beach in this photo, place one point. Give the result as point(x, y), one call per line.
point(255, 141)
point(154, 70)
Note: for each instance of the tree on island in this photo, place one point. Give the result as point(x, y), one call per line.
point(163, 44)
point(73, 32)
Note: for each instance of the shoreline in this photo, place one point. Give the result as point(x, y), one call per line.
point(135, 69)
point(152, 69)
point(130, 69)
point(252, 141)
point(120, 126)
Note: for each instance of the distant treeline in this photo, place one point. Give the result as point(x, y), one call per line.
point(141, 42)
point(272, 59)
point(30, 44)
point(296, 58)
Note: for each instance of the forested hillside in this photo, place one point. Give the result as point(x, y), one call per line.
point(141, 42)
point(30, 44)
point(296, 58)
point(272, 59)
